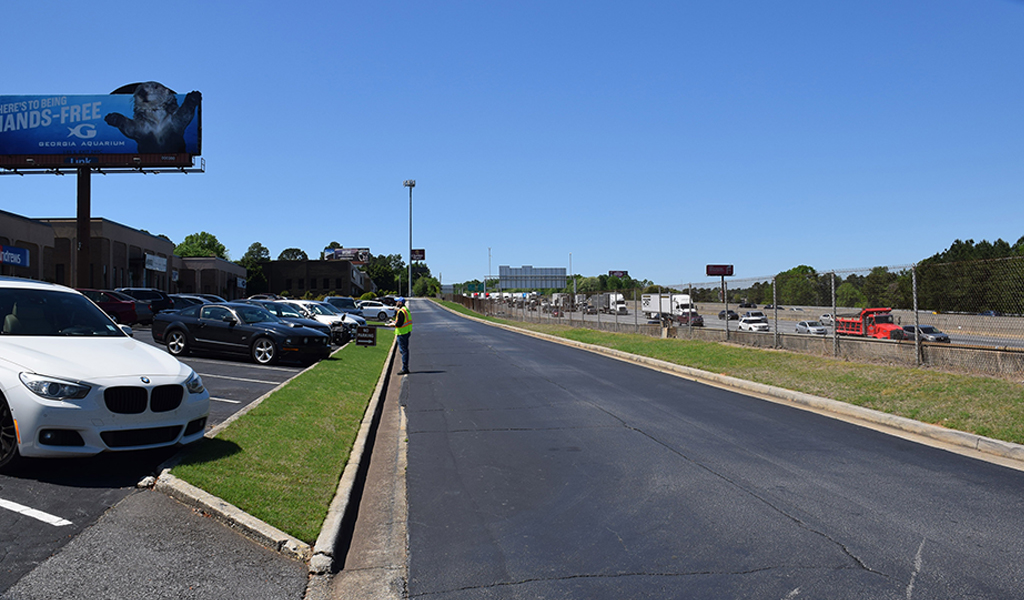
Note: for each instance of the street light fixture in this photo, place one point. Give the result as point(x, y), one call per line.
point(410, 183)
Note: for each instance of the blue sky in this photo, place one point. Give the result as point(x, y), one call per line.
point(652, 137)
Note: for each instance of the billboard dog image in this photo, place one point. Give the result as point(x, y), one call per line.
point(158, 123)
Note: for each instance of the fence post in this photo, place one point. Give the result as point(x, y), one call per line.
point(917, 317)
point(835, 329)
point(775, 304)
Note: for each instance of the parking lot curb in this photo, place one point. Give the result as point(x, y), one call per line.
point(320, 556)
point(1008, 451)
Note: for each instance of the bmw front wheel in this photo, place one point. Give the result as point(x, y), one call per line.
point(8, 434)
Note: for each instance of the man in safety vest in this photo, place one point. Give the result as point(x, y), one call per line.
point(403, 328)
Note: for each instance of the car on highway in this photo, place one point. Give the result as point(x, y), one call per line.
point(74, 383)
point(372, 309)
point(752, 324)
point(756, 315)
point(811, 327)
point(732, 316)
point(120, 309)
point(827, 319)
point(690, 318)
point(239, 329)
point(926, 333)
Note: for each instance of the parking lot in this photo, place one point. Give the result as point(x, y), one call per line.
point(45, 503)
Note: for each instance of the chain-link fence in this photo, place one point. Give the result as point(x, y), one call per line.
point(963, 316)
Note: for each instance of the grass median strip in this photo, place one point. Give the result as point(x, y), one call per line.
point(986, 406)
point(282, 461)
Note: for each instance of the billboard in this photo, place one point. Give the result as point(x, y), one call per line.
point(141, 124)
point(719, 270)
point(357, 256)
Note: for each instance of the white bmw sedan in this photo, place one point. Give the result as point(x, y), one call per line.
point(74, 383)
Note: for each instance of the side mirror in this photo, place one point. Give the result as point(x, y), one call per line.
point(127, 330)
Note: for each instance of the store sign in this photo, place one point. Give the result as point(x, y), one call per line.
point(156, 263)
point(11, 255)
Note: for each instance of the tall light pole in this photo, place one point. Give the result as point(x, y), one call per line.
point(410, 183)
point(573, 278)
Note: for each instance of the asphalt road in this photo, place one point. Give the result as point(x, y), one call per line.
point(541, 471)
point(73, 494)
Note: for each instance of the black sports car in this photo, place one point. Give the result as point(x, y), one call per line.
point(236, 328)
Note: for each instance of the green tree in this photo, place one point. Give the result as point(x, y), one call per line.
point(426, 287)
point(877, 287)
point(797, 286)
point(201, 244)
point(256, 279)
point(292, 254)
point(847, 295)
point(385, 271)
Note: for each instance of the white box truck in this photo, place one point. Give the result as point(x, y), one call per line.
point(660, 306)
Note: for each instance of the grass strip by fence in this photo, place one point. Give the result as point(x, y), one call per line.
point(282, 461)
point(981, 405)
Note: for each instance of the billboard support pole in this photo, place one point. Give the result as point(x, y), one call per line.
point(81, 278)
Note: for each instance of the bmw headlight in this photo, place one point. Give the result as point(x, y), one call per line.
point(52, 388)
point(194, 383)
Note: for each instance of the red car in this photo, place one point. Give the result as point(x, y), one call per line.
point(122, 311)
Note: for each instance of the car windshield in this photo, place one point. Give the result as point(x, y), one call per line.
point(319, 309)
point(256, 314)
point(344, 302)
point(285, 310)
point(929, 329)
point(53, 313)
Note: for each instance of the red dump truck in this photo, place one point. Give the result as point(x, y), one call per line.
point(871, 322)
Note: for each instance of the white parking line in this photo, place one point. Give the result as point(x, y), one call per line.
point(212, 399)
point(35, 514)
point(204, 376)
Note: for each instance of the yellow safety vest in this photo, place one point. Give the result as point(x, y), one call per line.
point(407, 328)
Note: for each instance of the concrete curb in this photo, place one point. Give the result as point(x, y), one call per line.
point(323, 557)
point(320, 556)
point(233, 517)
point(971, 441)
